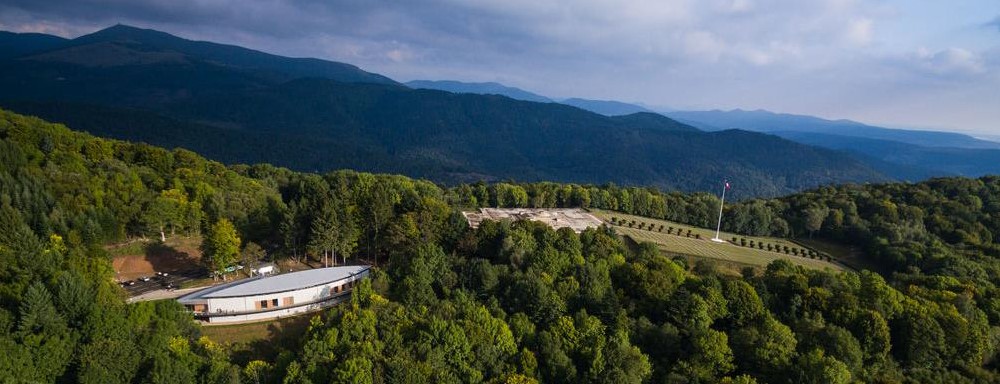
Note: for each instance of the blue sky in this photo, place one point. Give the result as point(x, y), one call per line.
point(917, 64)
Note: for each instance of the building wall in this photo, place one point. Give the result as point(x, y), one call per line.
point(244, 308)
point(277, 314)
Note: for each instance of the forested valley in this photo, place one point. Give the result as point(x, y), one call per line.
point(509, 302)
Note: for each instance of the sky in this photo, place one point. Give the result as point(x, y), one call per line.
point(908, 64)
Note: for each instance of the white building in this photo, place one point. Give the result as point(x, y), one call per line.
point(264, 269)
point(269, 297)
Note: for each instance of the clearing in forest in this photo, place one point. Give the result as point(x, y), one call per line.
point(146, 257)
point(685, 240)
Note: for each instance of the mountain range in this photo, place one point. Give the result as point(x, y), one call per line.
point(899, 153)
point(904, 154)
point(778, 123)
point(604, 107)
point(240, 105)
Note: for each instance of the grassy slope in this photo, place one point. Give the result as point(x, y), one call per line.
point(261, 340)
point(691, 246)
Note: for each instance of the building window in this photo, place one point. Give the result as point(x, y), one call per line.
point(263, 304)
point(274, 302)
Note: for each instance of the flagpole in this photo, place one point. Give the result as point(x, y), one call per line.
point(718, 227)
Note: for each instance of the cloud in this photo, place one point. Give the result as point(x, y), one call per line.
point(859, 31)
point(819, 56)
point(666, 31)
point(736, 6)
point(950, 62)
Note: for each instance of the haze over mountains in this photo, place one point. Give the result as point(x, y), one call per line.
point(240, 105)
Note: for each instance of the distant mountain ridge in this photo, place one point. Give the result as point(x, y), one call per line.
point(132, 40)
point(19, 44)
point(606, 107)
point(757, 120)
point(603, 107)
point(766, 121)
point(479, 89)
point(935, 161)
point(246, 106)
point(910, 155)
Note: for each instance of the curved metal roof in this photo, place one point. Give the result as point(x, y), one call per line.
point(277, 283)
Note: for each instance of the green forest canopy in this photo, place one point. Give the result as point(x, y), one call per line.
point(507, 302)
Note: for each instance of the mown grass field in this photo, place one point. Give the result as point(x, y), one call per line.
point(698, 243)
point(262, 340)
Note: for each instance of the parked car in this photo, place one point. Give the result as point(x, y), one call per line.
point(144, 278)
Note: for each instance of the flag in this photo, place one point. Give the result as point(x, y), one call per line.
point(727, 185)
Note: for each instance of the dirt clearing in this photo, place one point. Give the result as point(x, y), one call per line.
point(145, 258)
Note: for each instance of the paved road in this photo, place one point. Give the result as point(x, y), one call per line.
point(162, 294)
point(160, 283)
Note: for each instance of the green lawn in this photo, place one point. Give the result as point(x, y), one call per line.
point(698, 244)
point(262, 340)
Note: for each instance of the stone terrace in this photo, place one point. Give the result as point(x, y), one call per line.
point(575, 218)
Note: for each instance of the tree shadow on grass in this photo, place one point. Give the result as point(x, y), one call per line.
point(282, 335)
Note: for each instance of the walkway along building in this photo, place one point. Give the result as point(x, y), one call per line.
point(270, 297)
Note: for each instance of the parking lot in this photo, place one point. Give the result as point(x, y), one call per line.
point(156, 282)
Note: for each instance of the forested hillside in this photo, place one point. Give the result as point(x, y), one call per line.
point(507, 302)
point(323, 116)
